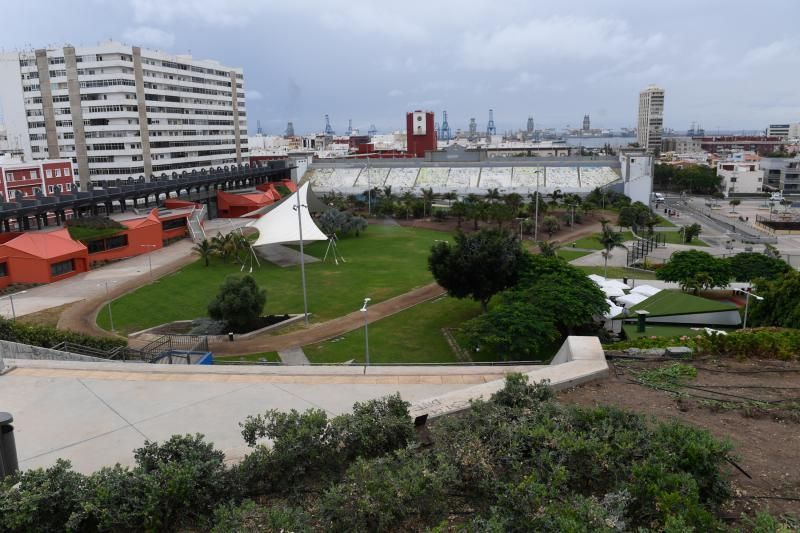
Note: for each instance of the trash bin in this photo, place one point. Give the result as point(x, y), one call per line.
point(8, 448)
point(230, 336)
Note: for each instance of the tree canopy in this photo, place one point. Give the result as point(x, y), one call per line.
point(694, 178)
point(478, 265)
point(748, 266)
point(695, 270)
point(239, 302)
point(781, 304)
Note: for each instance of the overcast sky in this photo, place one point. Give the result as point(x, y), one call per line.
point(727, 64)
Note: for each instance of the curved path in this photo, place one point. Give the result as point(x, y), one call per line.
point(326, 330)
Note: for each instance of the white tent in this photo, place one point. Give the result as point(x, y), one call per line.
point(647, 290)
point(615, 283)
point(612, 291)
point(630, 300)
point(280, 225)
point(599, 280)
point(613, 310)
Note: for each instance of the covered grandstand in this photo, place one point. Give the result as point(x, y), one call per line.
point(567, 174)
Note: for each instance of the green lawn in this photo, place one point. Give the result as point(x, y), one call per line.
point(385, 261)
point(87, 234)
point(569, 255)
point(661, 331)
point(664, 222)
point(673, 237)
point(667, 303)
point(271, 357)
point(591, 242)
point(617, 272)
point(410, 336)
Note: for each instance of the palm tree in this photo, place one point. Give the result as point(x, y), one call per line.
point(610, 239)
point(427, 200)
point(408, 201)
point(458, 210)
point(493, 194)
point(548, 248)
point(554, 196)
point(204, 249)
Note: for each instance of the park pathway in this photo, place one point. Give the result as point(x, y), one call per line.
point(326, 330)
point(293, 356)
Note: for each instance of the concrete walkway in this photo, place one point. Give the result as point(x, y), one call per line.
point(293, 356)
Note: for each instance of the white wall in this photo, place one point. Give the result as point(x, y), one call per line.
point(12, 107)
point(636, 176)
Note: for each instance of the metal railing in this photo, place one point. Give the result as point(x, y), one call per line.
point(642, 247)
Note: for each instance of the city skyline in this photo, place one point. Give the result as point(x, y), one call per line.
point(372, 64)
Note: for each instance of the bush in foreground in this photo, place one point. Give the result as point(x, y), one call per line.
point(48, 336)
point(518, 462)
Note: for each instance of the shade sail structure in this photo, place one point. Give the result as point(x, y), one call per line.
point(280, 224)
point(647, 290)
point(315, 205)
point(599, 280)
point(613, 310)
point(615, 283)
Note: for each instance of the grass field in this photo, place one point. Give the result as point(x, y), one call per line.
point(673, 237)
point(410, 336)
point(661, 331)
point(617, 272)
point(667, 303)
point(569, 255)
point(664, 222)
point(271, 357)
point(591, 242)
point(385, 261)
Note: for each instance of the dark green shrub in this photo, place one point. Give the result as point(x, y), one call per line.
point(239, 302)
point(249, 517)
point(48, 336)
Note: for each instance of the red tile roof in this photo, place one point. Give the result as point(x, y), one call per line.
point(48, 245)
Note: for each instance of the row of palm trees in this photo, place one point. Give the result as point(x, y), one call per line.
point(234, 245)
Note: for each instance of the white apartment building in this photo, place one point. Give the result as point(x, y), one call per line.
point(651, 118)
point(785, 131)
point(121, 111)
point(741, 173)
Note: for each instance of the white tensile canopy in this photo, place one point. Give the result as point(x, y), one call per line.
point(599, 280)
point(615, 283)
point(613, 310)
point(629, 300)
point(647, 290)
point(280, 225)
point(612, 291)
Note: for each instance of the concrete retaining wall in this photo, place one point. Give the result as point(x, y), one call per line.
point(15, 350)
point(579, 360)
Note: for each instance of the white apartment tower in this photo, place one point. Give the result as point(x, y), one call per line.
point(121, 111)
point(651, 118)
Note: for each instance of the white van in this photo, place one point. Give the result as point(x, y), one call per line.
point(658, 197)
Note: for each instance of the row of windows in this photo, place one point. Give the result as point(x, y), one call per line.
point(193, 90)
point(111, 108)
point(111, 243)
point(182, 111)
point(107, 83)
point(173, 144)
point(34, 174)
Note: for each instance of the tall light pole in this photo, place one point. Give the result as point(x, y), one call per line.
point(366, 333)
point(536, 209)
point(149, 259)
point(11, 299)
point(302, 256)
point(747, 294)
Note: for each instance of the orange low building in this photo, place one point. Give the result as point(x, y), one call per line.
point(44, 257)
point(236, 205)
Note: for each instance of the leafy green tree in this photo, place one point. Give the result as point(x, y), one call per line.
point(734, 203)
point(748, 266)
point(477, 209)
point(478, 265)
point(493, 195)
point(427, 200)
point(550, 225)
point(555, 196)
point(548, 248)
point(239, 302)
point(458, 210)
point(610, 239)
point(513, 202)
point(690, 232)
point(780, 306)
point(695, 270)
point(501, 213)
point(636, 215)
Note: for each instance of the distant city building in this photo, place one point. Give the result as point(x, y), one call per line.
point(421, 132)
point(741, 143)
point(741, 173)
point(586, 123)
point(781, 174)
point(651, 118)
point(118, 111)
point(784, 131)
point(682, 145)
point(44, 177)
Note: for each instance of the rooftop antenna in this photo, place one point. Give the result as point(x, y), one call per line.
point(328, 128)
point(490, 128)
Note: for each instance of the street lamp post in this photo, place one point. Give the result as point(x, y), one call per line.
point(747, 295)
point(366, 333)
point(536, 210)
point(11, 299)
point(302, 257)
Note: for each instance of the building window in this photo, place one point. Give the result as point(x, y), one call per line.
point(63, 267)
point(34, 175)
point(175, 223)
point(48, 173)
point(58, 172)
point(9, 176)
point(50, 189)
point(66, 171)
point(3, 270)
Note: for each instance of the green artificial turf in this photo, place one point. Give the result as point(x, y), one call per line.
point(667, 303)
point(663, 331)
point(410, 336)
point(616, 272)
point(664, 222)
point(570, 255)
point(385, 261)
point(673, 237)
point(591, 242)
